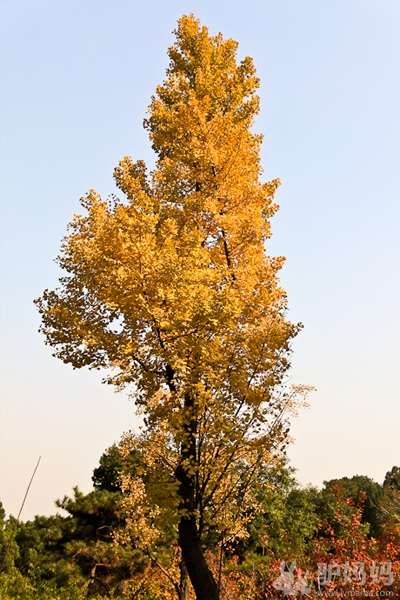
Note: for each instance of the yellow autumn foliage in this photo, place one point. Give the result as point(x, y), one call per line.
point(172, 291)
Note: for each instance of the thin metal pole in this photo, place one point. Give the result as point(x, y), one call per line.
point(19, 514)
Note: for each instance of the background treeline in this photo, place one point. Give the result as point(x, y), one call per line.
point(81, 555)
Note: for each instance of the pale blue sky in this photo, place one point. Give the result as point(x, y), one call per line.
point(77, 77)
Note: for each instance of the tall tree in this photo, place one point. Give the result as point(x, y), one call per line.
point(361, 489)
point(171, 289)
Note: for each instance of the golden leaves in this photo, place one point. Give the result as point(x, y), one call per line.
point(173, 292)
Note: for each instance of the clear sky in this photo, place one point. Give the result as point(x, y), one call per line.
point(77, 77)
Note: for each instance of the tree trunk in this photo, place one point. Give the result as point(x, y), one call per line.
point(189, 540)
point(199, 573)
point(184, 582)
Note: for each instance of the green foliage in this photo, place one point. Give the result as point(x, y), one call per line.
point(112, 463)
point(287, 518)
point(105, 476)
point(75, 557)
point(392, 478)
point(70, 553)
point(360, 489)
point(9, 550)
point(87, 537)
point(390, 500)
point(15, 585)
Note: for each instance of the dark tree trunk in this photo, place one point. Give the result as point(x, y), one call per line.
point(189, 539)
point(199, 573)
point(184, 582)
